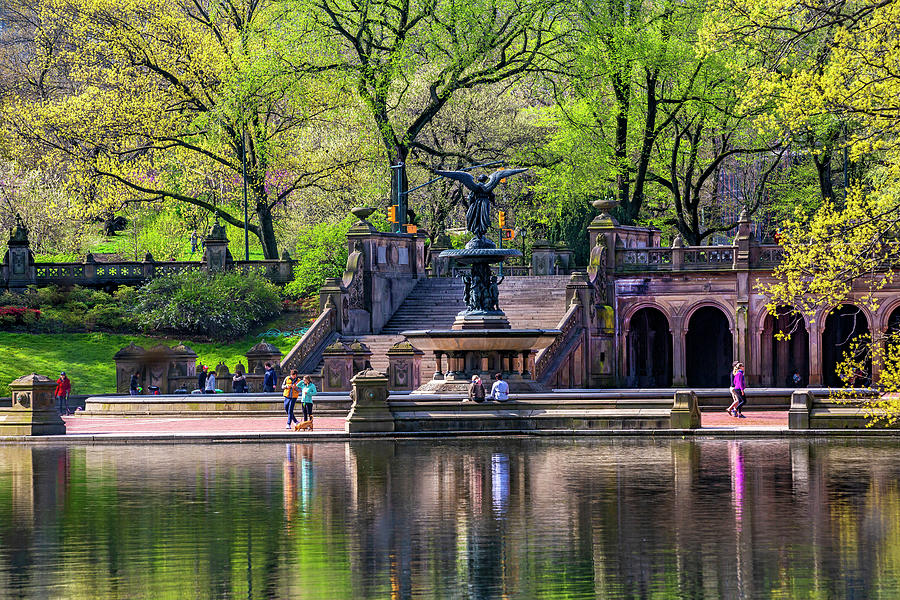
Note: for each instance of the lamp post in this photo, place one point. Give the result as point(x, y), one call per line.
point(244, 176)
point(522, 232)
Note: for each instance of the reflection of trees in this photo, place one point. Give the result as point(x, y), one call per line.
point(522, 518)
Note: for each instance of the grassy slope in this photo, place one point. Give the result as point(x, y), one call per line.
point(87, 358)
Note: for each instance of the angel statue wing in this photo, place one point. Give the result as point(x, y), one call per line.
point(462, 176)
point(496, 176)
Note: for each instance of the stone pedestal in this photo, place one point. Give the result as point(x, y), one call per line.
point(685, 410)
point(259, 355)
point(338, 367)
point(129, 360)
point(404, 366)
point(216, 254)
point(19, 260)
point(369, 412)
point(542, 257)
point(33, 410)
point(361, 357)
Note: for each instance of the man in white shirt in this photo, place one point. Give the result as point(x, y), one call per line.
point(500, 389)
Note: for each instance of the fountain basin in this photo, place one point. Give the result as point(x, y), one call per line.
point(469, 256)
point(483, 352)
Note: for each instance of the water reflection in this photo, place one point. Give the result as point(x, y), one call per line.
point(471, 519)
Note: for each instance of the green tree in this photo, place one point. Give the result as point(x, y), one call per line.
point(143, 101)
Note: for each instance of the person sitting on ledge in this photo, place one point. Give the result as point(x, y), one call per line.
point(500, 389)
point(476, 390)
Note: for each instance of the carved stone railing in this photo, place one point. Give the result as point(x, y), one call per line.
point(644, 259)
point(91, 273)
point(309, 348)
point(570, 326)
point(706, 258)
point(768, 256)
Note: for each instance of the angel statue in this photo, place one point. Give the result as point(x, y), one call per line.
point(478, 204)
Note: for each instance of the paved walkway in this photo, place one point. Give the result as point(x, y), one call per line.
point(255, 425)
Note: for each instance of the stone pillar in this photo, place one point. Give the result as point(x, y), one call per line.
point(223, 377)
point(33, 410)
point(679, 360)
point(286, 267)
point(542, 255)
point(798, 415)
point(19, 260)
point(129, 360)
point(361, 356)
point(259, 355)
point(743, 239)
point(440, 267)
point(369, 411)
point(685, 410)
point(404, 364)
point(148, 266)
point(90, 267)
point(338, 367)
point(157, 362)
point(216, 255)
point(815, 353)
point(438, 359)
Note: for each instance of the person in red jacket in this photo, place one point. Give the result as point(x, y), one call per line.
point(63, 387)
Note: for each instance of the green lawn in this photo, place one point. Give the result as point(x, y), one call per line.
point(87, 358)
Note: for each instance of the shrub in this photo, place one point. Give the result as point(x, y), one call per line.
point(221, 306)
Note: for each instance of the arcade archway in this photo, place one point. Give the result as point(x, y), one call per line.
point(649, 349)
point(842, 326)
point(709, 349)
point(779, 358)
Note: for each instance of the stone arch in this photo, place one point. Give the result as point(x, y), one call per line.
point(648, 343)
point(727, 311)
point(842, 325)
point(709, 346)
point(887, 313)
point(780, 358)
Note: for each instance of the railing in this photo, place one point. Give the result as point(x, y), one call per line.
point(707, 257)
point(318, 334)
point(644, 259)
point(89, 273)
point(769, 255)
point(570, 326)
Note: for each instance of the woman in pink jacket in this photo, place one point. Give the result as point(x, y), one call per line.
point(738, 386)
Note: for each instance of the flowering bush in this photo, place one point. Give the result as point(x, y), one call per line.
point(17, 315)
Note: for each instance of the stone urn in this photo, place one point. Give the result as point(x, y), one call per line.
point(362, 213)
point(605, 205)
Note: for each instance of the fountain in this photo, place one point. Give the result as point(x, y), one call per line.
point(481, 340)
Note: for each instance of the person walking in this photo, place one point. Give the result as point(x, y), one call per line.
point(210, 387)
point(500, 389)
point(134, 384)
point(739, 387)
point(291, 387)
point(269, 378)
point(201, 377)
point(307, 392)
point(476, 390)
point(63, 387)
point(194, 240)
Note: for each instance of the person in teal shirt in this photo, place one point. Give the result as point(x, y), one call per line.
point(307, 391)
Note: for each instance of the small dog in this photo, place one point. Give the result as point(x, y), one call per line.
point(304, 425)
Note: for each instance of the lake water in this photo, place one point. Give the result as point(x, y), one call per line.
point(508, 518)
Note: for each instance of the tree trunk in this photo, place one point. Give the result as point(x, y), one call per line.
point(823, 170)
point(263, 211)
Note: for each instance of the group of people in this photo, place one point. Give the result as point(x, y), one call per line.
point(499, 390)
point(303, 389)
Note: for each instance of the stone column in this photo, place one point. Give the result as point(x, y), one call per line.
point(679, 360)
point(815, 354)
point(404, 365)
point(685, 410)
point(33, 410)
point(438, 358)
point(369, 411)
point(259, 355)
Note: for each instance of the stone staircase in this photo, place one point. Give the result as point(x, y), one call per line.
point(529, 303)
